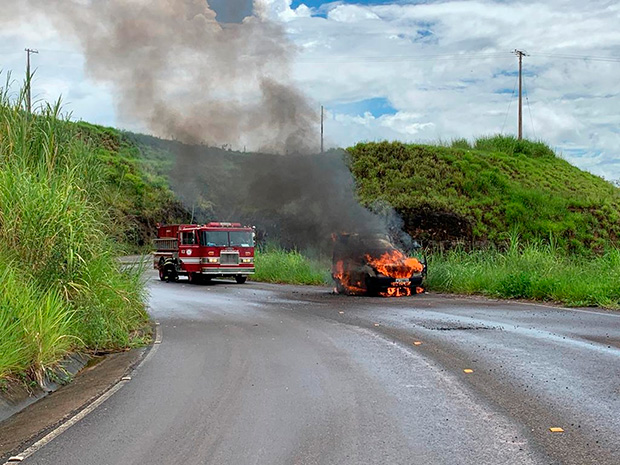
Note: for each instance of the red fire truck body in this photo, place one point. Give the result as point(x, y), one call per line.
point(202, 252)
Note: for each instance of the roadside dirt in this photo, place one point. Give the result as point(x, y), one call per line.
point(41, 417)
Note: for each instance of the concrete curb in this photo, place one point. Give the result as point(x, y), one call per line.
point(17, 397)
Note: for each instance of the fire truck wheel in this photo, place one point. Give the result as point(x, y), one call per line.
point(194, 278)
point(241, 279)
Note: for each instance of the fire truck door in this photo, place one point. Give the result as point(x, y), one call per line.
point(188, 250)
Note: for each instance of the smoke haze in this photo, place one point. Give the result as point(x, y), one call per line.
point(297, 200)
point(183, 74)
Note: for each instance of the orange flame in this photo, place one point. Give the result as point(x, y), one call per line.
point(344, 279)
point(395, 264)
point(396, 292)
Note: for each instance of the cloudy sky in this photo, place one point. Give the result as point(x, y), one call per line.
point(412, 70)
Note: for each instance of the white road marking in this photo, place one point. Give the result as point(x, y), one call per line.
point(85, 412)
point(65, 426)
point(601, 312)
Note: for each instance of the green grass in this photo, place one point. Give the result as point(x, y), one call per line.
point(533, 270)
point(61, 288)
point(275, 265)
point(480, 193)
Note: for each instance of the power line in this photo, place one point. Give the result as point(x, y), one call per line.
point(400, 58)
point(446, 57)
point(514, 88)
point(527, 100)
point(608, 59)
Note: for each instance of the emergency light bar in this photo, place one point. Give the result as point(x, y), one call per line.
point(214, 224)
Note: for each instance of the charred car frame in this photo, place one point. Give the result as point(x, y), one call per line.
point(371, 264)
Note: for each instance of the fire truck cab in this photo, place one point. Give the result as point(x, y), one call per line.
point(202, 252)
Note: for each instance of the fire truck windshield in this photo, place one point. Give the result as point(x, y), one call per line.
point(226, 238)
point(241, 239)
point(214, 238)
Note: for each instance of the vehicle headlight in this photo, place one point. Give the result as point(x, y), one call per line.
point(247, 260)
point(213, 260)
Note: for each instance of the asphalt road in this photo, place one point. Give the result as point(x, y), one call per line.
point(266, 374)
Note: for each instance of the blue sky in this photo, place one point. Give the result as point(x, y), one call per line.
point(461, 81)
point(377, 107)
point(317, 3)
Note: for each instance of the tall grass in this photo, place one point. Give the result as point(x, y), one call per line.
point(533, 270)
point(61, 287)
point(511, 145)
point(275, 265)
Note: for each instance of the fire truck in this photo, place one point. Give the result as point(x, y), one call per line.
point(203, 252)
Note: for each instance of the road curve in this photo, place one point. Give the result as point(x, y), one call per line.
point(266, 374)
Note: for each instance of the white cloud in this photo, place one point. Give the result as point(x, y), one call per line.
point(350, 14)
point(446, 68)
point(350, 129)
point(459, 73)
point(58, 71)
point(280, 10)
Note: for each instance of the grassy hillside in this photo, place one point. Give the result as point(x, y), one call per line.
point(529, 224)
point(500, 191)
point(478, 194)
point(489, 191)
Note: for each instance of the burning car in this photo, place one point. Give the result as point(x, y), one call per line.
point(371, 264)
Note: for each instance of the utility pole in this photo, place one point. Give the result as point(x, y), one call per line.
point(28, 79)
point(520, 54)
point(322, 128)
